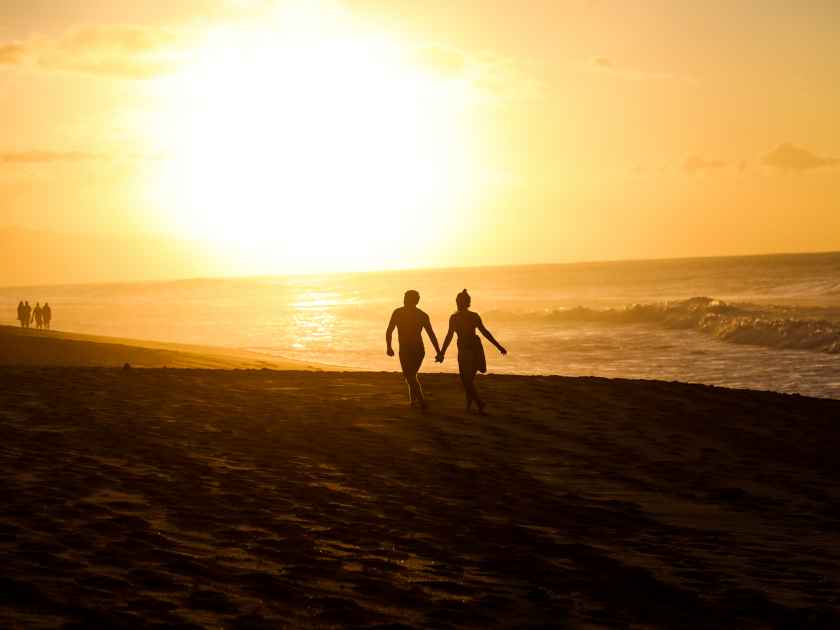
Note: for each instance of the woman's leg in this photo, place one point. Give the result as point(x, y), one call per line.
point(466, 370)
point(467, 395)
point(468, 380)
point(478, 401)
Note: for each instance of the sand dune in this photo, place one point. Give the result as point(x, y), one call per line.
point(266, 499)
point(52, 348)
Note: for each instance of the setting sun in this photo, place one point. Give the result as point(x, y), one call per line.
point(308, 143)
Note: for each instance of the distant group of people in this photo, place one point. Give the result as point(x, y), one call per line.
point(41, 316)
point(410, 323)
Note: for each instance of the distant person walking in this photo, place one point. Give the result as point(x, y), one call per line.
point(38, 316)
point(21, 314)
point(471, 357)
point(410, 322)
point(27, 314)
point(46, 313)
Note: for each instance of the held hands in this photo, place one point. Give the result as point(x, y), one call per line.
point(502, 350)
point(439, 357)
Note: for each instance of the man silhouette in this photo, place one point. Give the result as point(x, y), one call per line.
point(46, 312)
point(410, 322)
point(38, 316)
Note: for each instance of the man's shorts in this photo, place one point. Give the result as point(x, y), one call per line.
point(411, 358)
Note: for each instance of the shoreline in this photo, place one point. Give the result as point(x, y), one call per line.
point(31, 347)
point(54, 348)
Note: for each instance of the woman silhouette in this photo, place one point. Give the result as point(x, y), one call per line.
point(470, 351)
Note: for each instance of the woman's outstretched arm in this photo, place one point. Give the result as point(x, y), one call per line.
point(448, 338)
point(432, 337)
point(489, 336)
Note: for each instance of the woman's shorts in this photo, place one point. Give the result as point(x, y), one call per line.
point(471, 357)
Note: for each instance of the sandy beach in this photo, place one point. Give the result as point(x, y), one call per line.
point(264, 498)
point(30, 347)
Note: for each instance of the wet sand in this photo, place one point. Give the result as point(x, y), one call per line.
point(32, 347)
point(269, 499)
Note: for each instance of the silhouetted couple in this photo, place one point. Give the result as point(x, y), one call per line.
point(40, 315)
point(410, 322)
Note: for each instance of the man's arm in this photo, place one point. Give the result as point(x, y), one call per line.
point(429, 331)
point(389, 333)
point(489, 337)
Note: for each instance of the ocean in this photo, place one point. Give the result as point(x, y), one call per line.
point(758, 322)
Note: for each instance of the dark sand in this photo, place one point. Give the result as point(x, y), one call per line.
point(266, 499)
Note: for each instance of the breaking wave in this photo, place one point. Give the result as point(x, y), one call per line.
point(786, 327)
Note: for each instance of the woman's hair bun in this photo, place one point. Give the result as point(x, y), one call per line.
point(463, 298)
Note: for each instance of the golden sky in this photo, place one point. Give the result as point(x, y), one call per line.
point(206, 137)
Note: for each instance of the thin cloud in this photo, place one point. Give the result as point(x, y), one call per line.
point(789, 157)
point(495, 78)
point(697, 164)
point(123, 51)
point(443, 59)
point(604, 62)
point(141, 52)
point(122, 39)
point(132, 52)
point(12, 53)
point(45, 157)
point(509, 80)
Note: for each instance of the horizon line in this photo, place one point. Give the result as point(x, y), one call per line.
point(303, 274)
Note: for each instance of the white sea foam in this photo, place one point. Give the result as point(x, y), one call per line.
point(773, 326)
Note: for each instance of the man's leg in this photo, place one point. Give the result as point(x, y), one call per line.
point(418, 392)
point(407, 376)
point(415, 392)
point(411, 362)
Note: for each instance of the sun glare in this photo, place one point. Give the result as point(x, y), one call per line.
point(310, 143)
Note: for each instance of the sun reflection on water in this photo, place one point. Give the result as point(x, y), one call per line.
point(314, 318)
